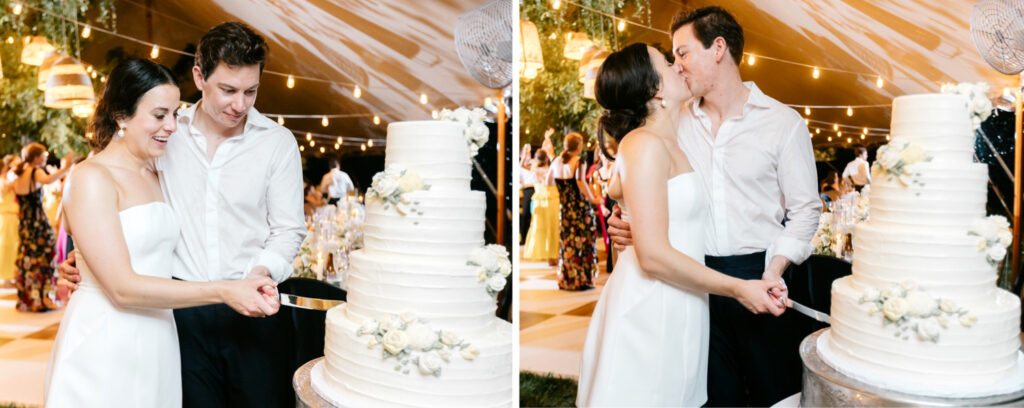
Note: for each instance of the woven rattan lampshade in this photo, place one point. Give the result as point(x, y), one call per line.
point(575, 45)
point(532, 60)
point(44, 69)
point(35, 50)
point(68, 85)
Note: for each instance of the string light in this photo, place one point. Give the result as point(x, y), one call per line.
point(886, 137)
point(830, 138)
point(849, 140)
point(93, 74)
point(376, 120)
point(865, 131)
point(433, 114)
point(362, 147)
point(879, 82)
point(17, 9)
point(622, 25)
point(88, 69)
point(807, 111)
point(10, 39)
point(324, 122)
point(339, 140)
point(312, 143)
point(835, 126)
point(356, 92)
point(321, 149)
point(291, 82)
point(309, 136)
point(337, 146)
point(423, 98)
point(750, 59)
point(553, 36)
point(816, 73)
point(302, 148)
point(155, 52)
point(817, 131)
point(280, 120)
point(487, 100)
point(556, 4)
point(103, 79)
point(369, 142)
point(849, 111)
point(839, 133)
point(863, 136)
point(86, 31)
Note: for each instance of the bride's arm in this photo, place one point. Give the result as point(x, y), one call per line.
point(644, 181)
point(91, 209)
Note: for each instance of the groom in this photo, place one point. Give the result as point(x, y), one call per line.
point(754, 155)
point(234, 180)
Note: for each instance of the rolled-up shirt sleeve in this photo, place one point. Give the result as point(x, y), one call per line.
point(284, 213)
point(798, 183)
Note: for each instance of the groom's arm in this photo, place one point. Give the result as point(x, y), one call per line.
point(284, 213)
point(798, 183)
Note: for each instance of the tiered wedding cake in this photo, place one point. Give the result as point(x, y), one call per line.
point(921, 312)
point(419, 327)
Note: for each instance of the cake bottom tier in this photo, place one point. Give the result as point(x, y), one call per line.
point(366, 378)
point(962, 357)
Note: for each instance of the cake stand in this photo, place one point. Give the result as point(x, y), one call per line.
point(823, 386)
point(305, 396)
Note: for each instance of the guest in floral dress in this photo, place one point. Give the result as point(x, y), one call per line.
point(35, 280)
point(577, 256)
point(8, 222)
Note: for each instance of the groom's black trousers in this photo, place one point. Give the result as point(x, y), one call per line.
point(229, 360)
point(754, 359)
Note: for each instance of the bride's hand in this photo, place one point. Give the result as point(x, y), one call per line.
point(755, 295)
point(250, 297)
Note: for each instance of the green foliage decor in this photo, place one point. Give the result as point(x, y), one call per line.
point(23, 118)
point(554, 98)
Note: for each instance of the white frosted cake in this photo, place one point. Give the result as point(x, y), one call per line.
point(921, 312)
point(413, 276)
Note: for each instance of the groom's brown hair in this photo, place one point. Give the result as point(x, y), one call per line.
point(232, 43)
point(710, 23)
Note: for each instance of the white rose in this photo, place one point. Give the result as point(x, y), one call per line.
point(450, 339)
point(407, 317)
point(981, 104)
point(964, 88)
point(947, 306)
point(369, 326)
point(928, 329)
point(999, 221)
point(1005, 237)
point(393, 323)
point(410, 182)
point(496, 283)
point(430, 363)
point(445, 355)
point(889, 159)
point(908, 285)
point(996, 253)
point(872, 309)
point(921, 304)
point(481, 275)
point(985, 228)
point(505, 267)
point(871, 294)
point(912, 154)
point(470, 353)
point(484, 258)
point(894, 308)
point(498, 250)
point(386, 187)
point(395, 341)
point(968, 320)
point(982, 244)
point(370, 344)
point(947, 88)
point(421, 337)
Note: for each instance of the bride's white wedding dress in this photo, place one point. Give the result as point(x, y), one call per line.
point(648, 341)
point(106, 356)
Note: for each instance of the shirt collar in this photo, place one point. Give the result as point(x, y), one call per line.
point(253, 119)
point(756, 99)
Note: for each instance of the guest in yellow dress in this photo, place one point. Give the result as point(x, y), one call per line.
point(542, 239)
point(8, 223)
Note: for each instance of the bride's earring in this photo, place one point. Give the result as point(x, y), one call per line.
point(120, 132)
point(663, 105)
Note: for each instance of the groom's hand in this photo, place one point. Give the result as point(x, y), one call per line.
point(618, 230)
point(269, 291)
point(773, 273)
point(69, 275)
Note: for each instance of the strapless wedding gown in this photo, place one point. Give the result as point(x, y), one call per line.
point(647, 344)
point(106, 356)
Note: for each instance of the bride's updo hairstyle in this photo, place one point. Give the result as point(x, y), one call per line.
point(129, 80)
point(624, 85)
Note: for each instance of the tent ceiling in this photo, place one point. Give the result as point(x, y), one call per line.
point(394, 50)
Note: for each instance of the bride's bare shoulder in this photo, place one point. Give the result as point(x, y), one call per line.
point(641, 143)
point(88, 179)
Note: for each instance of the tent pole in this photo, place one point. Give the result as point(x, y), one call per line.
point(1017, 175)
point(501, 169)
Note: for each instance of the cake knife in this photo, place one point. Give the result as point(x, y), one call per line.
point(305, 302)
point(814, 314)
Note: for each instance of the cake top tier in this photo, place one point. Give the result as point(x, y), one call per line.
point(939, 123)
point(435, 149)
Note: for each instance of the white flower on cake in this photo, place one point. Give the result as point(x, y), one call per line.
point(476, 131)
point(994, 236)
point(470, 353)
point(409, 339)
point(909, 307)
point(392, 187)
point(824, 241)
point(978, 103)
point(494, 265)
point(894, 158)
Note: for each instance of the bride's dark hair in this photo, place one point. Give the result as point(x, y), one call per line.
point(128, 82)
point(624, 85)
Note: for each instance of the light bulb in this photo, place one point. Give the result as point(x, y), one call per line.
point(339, 139)
point(312, 143)
point(830, 138)
point(849, 140)
point(356, 92)
point(556, 4)
point(622, 25)
point(433, 114)
point(849, 111)
point(17, 8)
point(280, 120)
point(423, 98)
point(86, 31)
point(835, 126)
point(862, 137)
point(864, 131)
point(10, 39)
point(337, 146)
point(362, 147)
point(487, 101)
point(817, 131)
point(839, 133)
point(807, 121)
point(291, 82)
point(816, 73)
point(879, 82)
point(155, 52)
point(93, 74)
point(376, 120)
point(321, 149)
point(886, 137)
point(807, 110)
point(309, 136)
point(369, 142)
point(750, 59)
point(302, 148)
point(324, 121)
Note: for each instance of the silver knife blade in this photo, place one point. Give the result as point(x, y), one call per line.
point(814, 314)
point(310, 303)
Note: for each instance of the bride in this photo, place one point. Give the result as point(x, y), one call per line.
point(117, 345)
point(647, 344)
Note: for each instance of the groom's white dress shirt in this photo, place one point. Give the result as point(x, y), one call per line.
point(758, 171)
point(242, 208)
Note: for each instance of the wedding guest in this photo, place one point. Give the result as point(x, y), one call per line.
point(336, 184)
point(35, 280)
point(313, 200)
point(542, 237)
point(8, 221)
point(858, 171)
point(577, 255)
point(829, 189)
point(526, 190)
